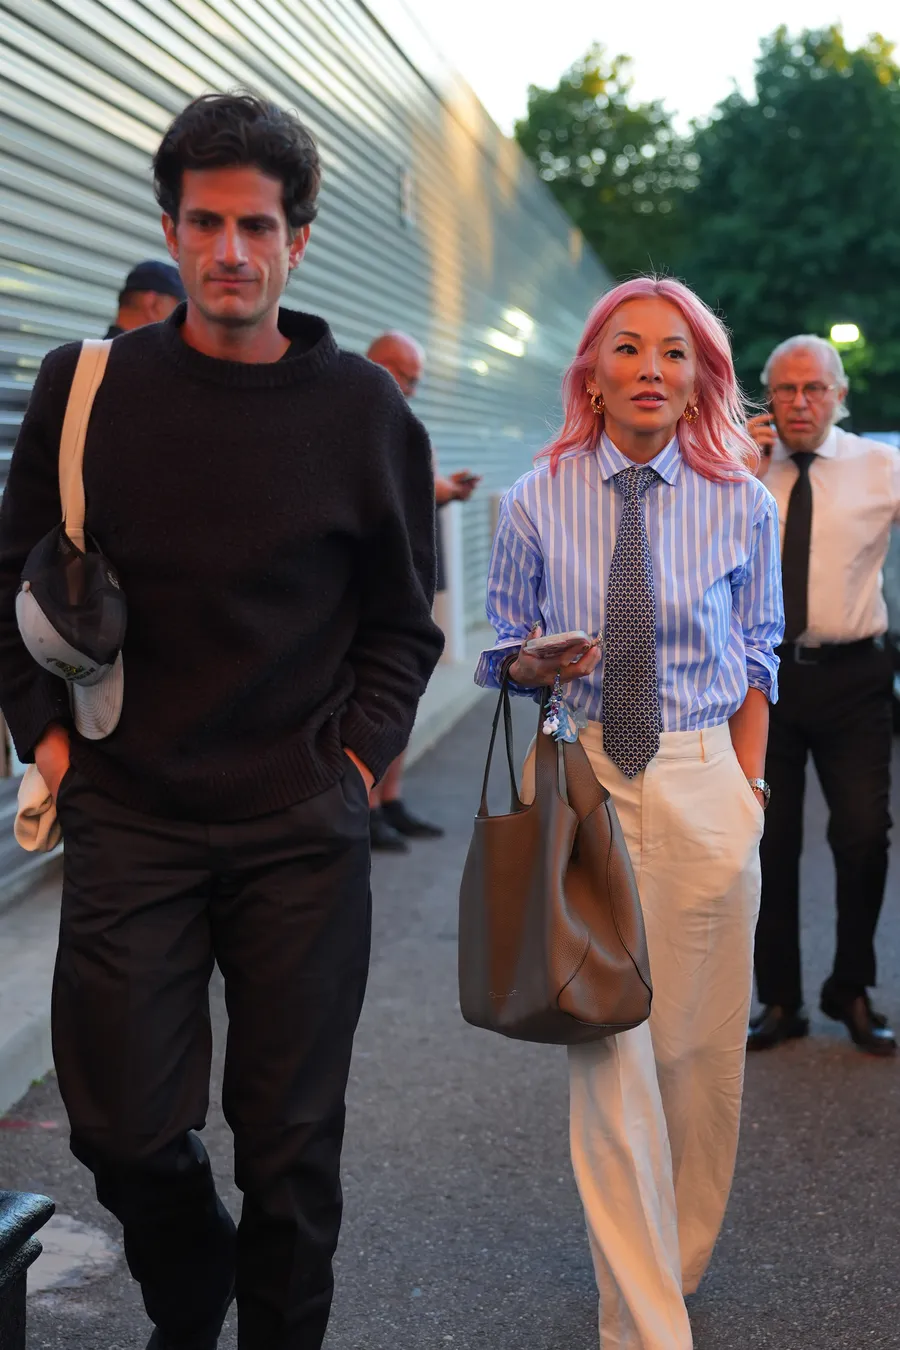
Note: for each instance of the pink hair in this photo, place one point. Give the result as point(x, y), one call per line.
point(716, 445)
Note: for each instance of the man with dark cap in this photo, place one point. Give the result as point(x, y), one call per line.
point(151, 291)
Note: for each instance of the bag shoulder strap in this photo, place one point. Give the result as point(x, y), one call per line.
point(89, 373)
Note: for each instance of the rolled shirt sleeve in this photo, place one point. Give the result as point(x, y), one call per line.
point(758, 601)
point(514, 576)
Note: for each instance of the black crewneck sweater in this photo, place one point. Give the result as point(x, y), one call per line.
point(273, 529)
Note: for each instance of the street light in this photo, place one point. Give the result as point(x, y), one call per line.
point(844, 332)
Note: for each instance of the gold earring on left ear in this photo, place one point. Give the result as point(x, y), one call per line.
point(691, 413)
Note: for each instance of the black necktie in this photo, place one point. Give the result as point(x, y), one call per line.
point(795, 550)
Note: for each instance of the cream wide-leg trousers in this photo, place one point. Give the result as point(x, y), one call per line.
point(654, 1112)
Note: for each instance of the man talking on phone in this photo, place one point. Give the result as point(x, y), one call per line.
point(838, 496)
point(391, 822)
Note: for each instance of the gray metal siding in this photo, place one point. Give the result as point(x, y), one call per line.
point(430, 220)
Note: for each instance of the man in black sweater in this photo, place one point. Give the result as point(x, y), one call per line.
point(267, 502)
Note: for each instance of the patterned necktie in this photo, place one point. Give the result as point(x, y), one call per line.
point(795, 550)
point(631, 720)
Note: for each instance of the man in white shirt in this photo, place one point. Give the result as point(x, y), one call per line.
point(838, 496)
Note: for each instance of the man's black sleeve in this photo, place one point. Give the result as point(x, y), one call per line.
point(397, 642)
point(32, 698)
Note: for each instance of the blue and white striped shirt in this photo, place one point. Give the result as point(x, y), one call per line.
point(716, 567)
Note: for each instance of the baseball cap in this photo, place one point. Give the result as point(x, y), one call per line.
point(160, 277)
point(71, 614)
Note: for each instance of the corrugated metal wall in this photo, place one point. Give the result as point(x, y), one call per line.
point(431, 221)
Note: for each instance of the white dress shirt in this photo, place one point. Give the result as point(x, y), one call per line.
point(856, 500)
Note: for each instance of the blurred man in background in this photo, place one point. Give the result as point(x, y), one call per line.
point(838, 496)
point(151, 292)
point(391, 823)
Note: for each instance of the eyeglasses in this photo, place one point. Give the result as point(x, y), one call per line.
point(813, 393)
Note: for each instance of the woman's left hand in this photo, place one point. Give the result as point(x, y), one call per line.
point(534, 671)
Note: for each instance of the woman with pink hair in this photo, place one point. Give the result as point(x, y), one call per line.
point(643, 523)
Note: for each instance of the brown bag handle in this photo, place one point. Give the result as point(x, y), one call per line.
point(561, 767)
point(503, 705)
point(585, 791)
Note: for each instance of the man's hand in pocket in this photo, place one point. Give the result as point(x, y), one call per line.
point(51, 755)
point(367, 777)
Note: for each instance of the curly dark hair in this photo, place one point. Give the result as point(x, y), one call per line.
point(219, 131)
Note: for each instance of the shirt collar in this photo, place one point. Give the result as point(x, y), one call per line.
point(827, 450)
point(611, 460)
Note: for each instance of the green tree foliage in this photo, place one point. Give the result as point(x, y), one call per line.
point(795, 222)
point(618, 170)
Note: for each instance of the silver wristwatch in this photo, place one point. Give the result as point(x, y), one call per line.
point(760, 785)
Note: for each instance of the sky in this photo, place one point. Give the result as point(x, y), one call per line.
point(689, 55)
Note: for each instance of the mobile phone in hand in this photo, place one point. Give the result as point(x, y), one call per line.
point(554, 645)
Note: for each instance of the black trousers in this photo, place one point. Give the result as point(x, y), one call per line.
point(840, 713)
point(282, 903)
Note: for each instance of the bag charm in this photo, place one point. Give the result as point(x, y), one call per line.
point(559, 722)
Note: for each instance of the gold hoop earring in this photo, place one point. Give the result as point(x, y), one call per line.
point(691, 413)
point(598, 404)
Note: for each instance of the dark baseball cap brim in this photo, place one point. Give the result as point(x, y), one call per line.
point(72, 616)
point(159, 277)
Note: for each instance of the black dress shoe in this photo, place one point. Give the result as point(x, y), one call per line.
point(775, 1025)
point(397, 816)
point(158, 1342)
point(203, 1340)
point(868, 1029)
point(383, 836)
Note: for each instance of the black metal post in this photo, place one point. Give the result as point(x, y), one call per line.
point(20, 1218)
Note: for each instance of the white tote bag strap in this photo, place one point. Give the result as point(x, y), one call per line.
point(88, 374)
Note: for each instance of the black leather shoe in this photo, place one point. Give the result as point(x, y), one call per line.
point(397, 816)
point(868, 1029)
point(775, 1025)
point(383, 836)
point(158, 1342)
point(204, 1340)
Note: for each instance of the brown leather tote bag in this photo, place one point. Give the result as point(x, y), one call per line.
point(551, 936)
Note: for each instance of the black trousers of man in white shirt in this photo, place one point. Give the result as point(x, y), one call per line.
point(834, 707)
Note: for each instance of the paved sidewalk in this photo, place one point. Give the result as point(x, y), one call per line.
point(463, 1229)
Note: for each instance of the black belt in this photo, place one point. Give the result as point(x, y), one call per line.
point(795, 653)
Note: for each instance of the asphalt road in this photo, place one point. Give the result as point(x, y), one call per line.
point(462, 1226)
